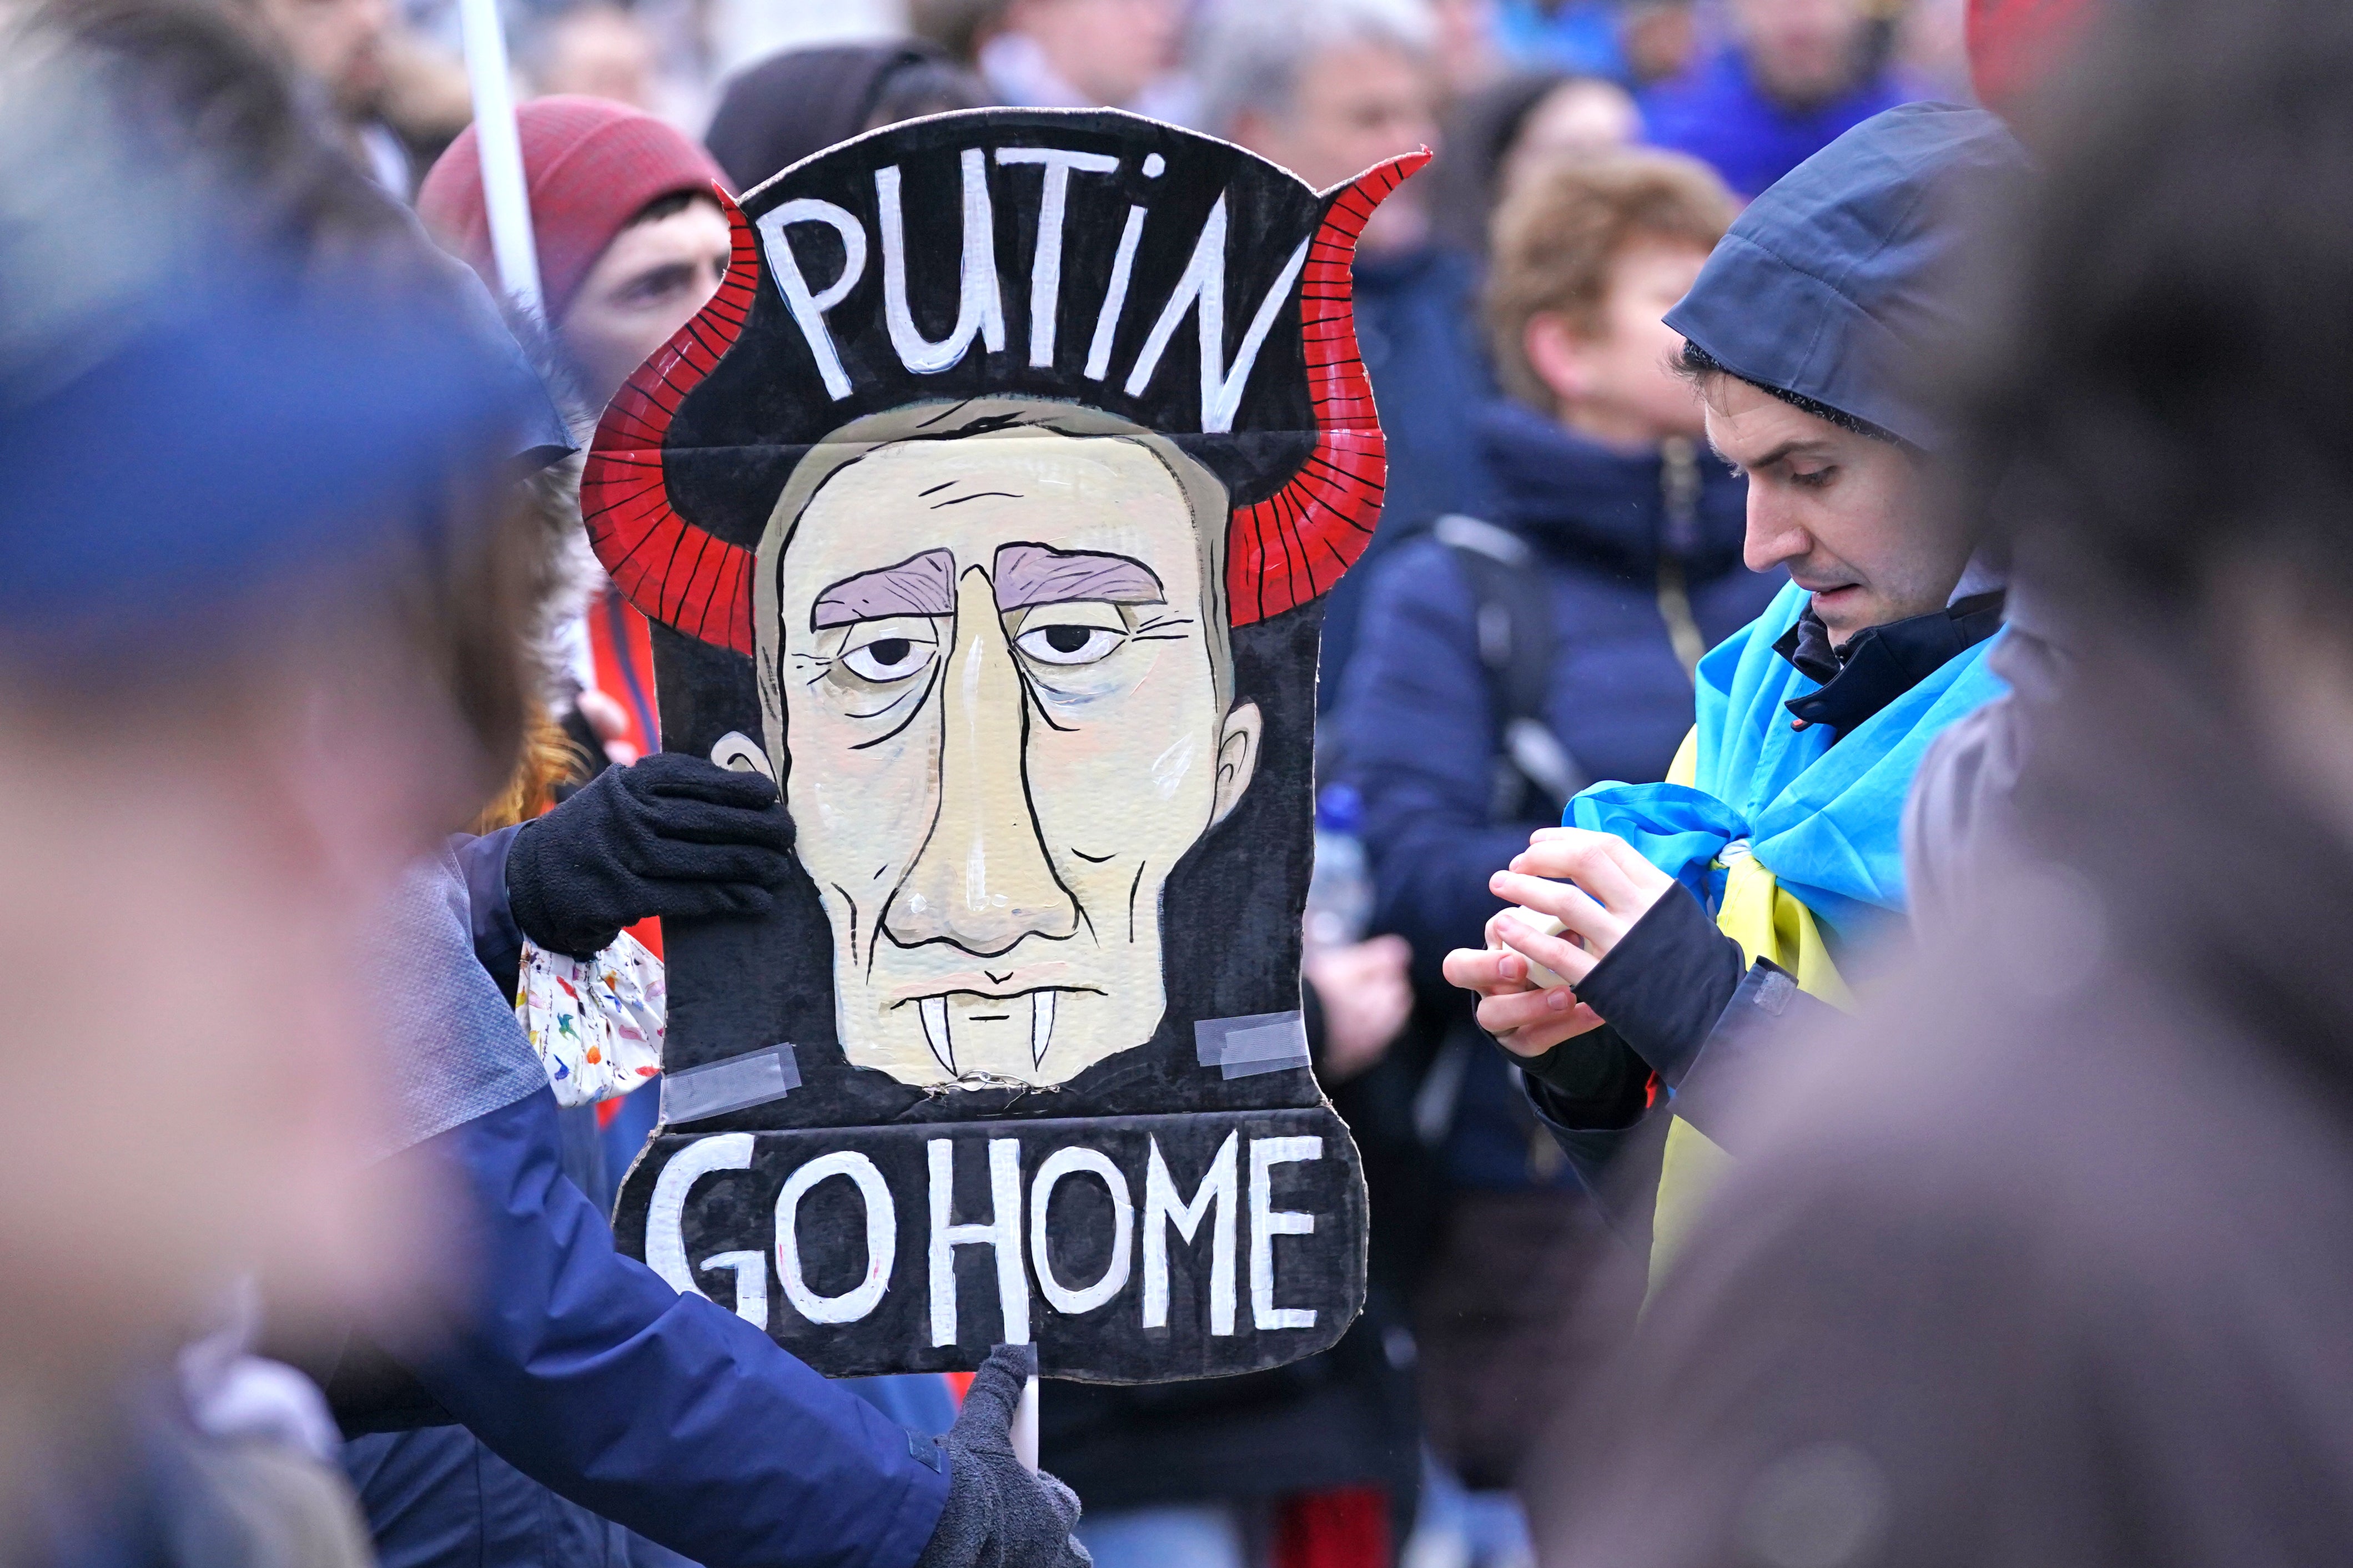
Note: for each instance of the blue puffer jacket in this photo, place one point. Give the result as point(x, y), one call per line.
point(1417, 725)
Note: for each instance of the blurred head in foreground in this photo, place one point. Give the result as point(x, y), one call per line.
point(2165, 446)
point(2016, 45)
point(256, 654)
point(337, 44)
point(2048, 1262)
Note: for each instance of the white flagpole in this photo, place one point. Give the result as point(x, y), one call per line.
point(504, 194)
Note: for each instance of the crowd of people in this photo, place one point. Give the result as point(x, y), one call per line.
point(1839, 728)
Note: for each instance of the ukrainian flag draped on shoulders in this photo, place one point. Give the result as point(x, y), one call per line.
point(1813, 828)
point(1793, 843)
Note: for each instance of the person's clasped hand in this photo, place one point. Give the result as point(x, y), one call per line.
point(1597, 885)
point(673, 835)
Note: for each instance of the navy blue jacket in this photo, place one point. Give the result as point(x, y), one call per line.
point(1715, 112)
point(1417, 725)
point(665, 1412)
point(1415, 315)
point(438, 1498)
point(441, 1495)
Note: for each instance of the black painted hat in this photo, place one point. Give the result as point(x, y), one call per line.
point(1093, 257)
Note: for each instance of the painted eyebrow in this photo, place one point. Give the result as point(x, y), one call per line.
point(919, 585)
point(1029, 574)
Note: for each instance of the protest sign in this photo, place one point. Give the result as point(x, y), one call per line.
point(987, 507)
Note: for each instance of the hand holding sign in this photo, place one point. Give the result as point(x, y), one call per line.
point(1000, 1513)
point(672, 836)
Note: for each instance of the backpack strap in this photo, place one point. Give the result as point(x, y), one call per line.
point(1535, 774)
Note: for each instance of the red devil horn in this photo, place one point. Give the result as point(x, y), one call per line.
point(1293, 546)
point(676, 573)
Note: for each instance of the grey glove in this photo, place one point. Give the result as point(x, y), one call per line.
point(999, 1515)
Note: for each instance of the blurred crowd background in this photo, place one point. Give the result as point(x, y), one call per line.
point(1404, 1445)
point(1752, 86)
point(1590, 154)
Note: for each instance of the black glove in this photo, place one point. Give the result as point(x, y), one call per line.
point(1000, 1515)
point(1589, 1082)
point(1667, 983)
point(1664, 989)
point(671, 836)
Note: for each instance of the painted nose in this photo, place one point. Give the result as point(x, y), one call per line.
point(982, 881)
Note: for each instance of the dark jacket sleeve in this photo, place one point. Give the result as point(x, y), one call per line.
point(1417, 736)
point(665, 1412)
point(1687, 1021)
point(1666, 984)
point(1606, 1093)
point(1679, 994)
point(1596, 1097)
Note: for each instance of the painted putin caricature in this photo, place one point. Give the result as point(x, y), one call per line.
point(988, 610)
point(992, 654)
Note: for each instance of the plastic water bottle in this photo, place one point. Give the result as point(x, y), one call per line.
point(1340, 893)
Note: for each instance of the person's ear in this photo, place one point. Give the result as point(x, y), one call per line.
point(1558, 353)
point(1237, 745)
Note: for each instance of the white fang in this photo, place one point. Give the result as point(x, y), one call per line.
point(935, 1010)
point(1041, 1025)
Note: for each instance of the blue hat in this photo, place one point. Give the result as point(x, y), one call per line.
point(229, 365)
point(1845, 282)
point(247, 443)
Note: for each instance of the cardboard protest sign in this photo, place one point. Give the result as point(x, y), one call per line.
point(988, 507)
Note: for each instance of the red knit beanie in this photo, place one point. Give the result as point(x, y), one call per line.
point(590, 165)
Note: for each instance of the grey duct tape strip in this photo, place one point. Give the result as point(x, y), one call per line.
point(732, 1085)
point(1250, 1044)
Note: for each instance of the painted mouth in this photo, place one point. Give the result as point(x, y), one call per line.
point(1005, 984)
point(939, 1030)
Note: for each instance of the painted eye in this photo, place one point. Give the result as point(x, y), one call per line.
point(887, 658)
point(1064, 643)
